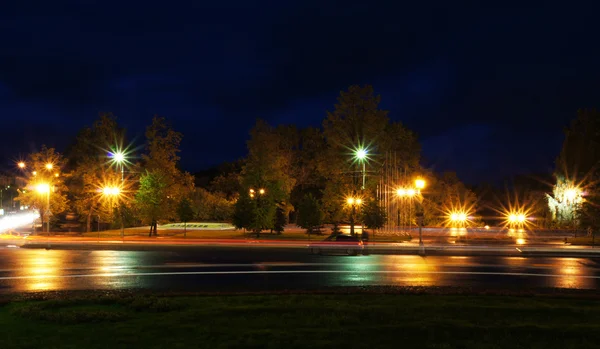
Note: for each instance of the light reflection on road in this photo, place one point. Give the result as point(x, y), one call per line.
point(44, 267)
point(420, 270)
point(45, 270)
point(570, 269)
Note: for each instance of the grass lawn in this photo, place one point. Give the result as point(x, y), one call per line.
point(301, 321)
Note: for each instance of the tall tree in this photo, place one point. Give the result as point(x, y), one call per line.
point(45, 189)
point(151, 198)
point(579, 163)
point(89, 164)
point(243, 212)
point(355, 123)
point(310, 215)
point(280, 220)
point(269, 167)
point(185, 212)
point(161, 165)
point(374, 215)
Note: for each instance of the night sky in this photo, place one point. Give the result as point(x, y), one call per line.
point(488, 89)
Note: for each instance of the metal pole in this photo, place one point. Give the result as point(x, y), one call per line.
point(48, 212)
point(410, 216)
point(364, 174)
point(352, 220)
point(122, 223)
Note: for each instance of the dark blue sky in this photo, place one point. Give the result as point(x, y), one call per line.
point(487, 87)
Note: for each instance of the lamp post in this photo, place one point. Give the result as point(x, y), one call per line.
point(253, 195)
point(516, 219)
point(44, 188)
point(361, 155)
point(112, 193)
point(353, 202)
point(118, 157)
point(410, 193)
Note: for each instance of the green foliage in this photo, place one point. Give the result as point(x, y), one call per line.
point(161, 165)
point(54, 178)
point(228, 182)
point(185, 212)
point(310, 214)
point(151, 196)
point(89, 166)
point(579, 163)
point(211, 206)
point(444, 194)
point(374, 215)
point(263, 216)
point(243, 212)
point(270, 161)
point(280, 219)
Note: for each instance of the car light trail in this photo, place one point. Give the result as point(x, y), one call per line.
point(17, 220)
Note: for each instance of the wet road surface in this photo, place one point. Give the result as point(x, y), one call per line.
point(261, 269)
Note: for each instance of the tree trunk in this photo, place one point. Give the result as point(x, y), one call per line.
point(89, 222)
point(184, 229)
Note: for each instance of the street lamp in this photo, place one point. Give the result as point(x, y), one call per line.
point(353, 202)
point(361, 155)
point(113, 193)
point(118, 157)
point(516, 219)
point(21, 165)
point(259, 202)
point(44, 188)
point(410, 193)
point(458, 218)
point(49, 166)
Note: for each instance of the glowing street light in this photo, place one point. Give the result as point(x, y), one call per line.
point(34, 173)
point(261, 191)
point(410, 193)
point(458, 218)
point(361, 155)
point(21, 165)
point(516, 219)
point(119, 158)
point(43, 188)
point(353, 202)
point(572, 193)
point(49, 166)
point(111, 191)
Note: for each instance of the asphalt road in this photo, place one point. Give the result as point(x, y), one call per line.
point(258, 269)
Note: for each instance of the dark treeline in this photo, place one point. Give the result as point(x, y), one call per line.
point(303, 176)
